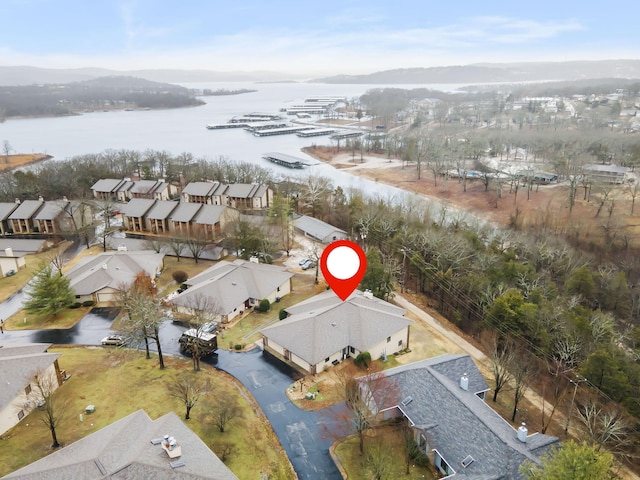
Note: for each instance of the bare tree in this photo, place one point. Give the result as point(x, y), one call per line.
point(501, 357)
point(54, 408)
point(606, 427)
point(524, 369)
point(378, 459)
point(188, 390)
point(196, 243)
point(177, 245)
point(6, 149)
point(223, 411)
point(554, 389)
point(154, 243)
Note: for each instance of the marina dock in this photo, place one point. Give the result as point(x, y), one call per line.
point(342, 135)
point(280, 131)
point(219, 126)
point(316, 132)
point(285, 160)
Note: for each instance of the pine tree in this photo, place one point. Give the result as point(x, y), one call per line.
point(50, 293)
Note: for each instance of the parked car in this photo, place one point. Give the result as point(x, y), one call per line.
point(11, 273)
point(309, 264)
point(115, 340)
point(303, 261)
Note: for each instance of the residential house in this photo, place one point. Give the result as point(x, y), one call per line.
point(212, 220)
point(62, 216)
point(103, 277)
point(129, 448)
point(134, 213)
point(182, 219)
point(6, 208)
point(11, 262)
point(152, 189)
point(245, 196)
point(442, 399)
point(19, 365)
point(607, 173)
point(111, 189)
point(21, 219)
point(318, 230)
point(157, 218)
point(211, 193)
point(323, 330)
point(231, 288)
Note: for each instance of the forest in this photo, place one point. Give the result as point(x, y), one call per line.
point(104, 93)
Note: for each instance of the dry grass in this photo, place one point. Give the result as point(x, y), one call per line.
point(9, 162)
point(121, 381)
point(65, 319)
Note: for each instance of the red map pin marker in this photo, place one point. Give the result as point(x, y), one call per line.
point(343, 264)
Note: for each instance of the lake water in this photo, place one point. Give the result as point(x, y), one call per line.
point(184, 130)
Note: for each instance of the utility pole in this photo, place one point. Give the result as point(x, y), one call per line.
point(573, 398)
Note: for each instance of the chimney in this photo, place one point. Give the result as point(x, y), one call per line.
point(522, 433)
point(368, 294)
point(464, 382)
point(40, 198)
point(104, 266)
point(8, 252)
point(64, 198)
point(17, 201)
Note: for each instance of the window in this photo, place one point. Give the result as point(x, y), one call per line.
point(326, 359)
point(352, 350)
point(388, 339)
point(467, 461)
point(278, 289)
point(400, 342)
point(27, 389)
point(20, 414)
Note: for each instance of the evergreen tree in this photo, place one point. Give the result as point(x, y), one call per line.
point(377, 278)
point(571, 461)
point(50, 293)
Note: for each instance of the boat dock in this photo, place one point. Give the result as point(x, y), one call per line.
point(316, 132)
point(285, 160)
point(342, 135)
point(265, 126)
point(280, 131)
point(219, 126)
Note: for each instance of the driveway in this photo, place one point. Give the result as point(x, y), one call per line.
point(303, 434)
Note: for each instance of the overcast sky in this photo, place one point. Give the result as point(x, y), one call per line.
point(312, 37)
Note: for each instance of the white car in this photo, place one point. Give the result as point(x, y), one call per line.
point(117, 340)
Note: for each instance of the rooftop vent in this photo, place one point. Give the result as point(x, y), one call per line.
point(8, 252)
point(522, 433)
point(368, 294)
point(104, 266)
point(468, 460)
point(406, 401)
point(464, 382)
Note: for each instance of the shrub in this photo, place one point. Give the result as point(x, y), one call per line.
point(184, 286)
point(88, 303)
point(238, 346)
point(282, 314)
point(75, 305)
point(180, 276)
point(363, 360)
point(265, 305)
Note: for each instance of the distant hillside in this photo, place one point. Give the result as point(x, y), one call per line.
point(25, 75)
point(494, 73)
point(105, 93)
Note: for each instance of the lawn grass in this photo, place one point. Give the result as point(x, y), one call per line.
point(166, 284)
point(21, 320)
point(354, 465)
point(33, 262)
point(119, 381)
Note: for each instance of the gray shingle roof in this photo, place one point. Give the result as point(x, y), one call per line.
point(457, 423)
point(137, 207)
point(242, 190)
point(228, 285)
point(123, 450)
point(21, 245)
point(185, 212)
point(107, 185)
point(144, 187)
point(111, 269)
point(201, 189)
point(26, 210)
point(161, 210)
point(6, 208)
point(316, 228)
point(210, 214)
point(324, 324)
point(51, 209)
point(18, 365)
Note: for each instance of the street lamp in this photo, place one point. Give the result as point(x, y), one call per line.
point(573, 398)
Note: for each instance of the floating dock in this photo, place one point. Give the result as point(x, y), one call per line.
point(219, 126)
point(265, 126)
point(280, 131)
point(316, 132)
point(341, 135)
point(285, 160)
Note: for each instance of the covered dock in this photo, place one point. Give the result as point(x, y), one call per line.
point(285, 160)
point(280, 131)
point(316, 132)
